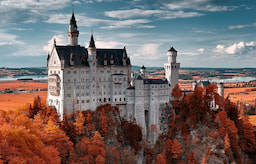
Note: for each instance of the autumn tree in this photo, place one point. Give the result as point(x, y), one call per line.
point(176, 149)
point(56, 137)
point(132, 134)
point(160, 159)
point(89, 150)
point(24, 141)
point(191, 158)
point(148, 154)
point(79, 124)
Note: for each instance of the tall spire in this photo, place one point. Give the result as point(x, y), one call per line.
point(72, 31)
point(73, 19)
point(92, 43)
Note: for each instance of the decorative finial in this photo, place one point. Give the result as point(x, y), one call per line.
point(72, 8)
point(54, 41)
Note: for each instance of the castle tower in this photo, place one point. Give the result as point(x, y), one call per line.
point(72, 31)
point(143, 72)
point(92, 60)
point(172, 68)
point(220, 89)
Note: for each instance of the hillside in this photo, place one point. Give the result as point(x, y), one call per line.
point(193, 134)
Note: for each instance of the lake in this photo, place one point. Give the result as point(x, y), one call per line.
point(34, 77)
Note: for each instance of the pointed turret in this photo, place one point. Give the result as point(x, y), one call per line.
point(72, 31)
point(92, 43)
point(143, 72)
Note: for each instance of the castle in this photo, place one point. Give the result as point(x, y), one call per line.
point(82, 78)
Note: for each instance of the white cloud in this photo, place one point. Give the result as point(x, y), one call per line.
point(148, 52)
point(199, 51)
point(105, 24)
point(121, 14)
point(28, 11)
point(233, 49)
point(250, 44)
point(162, 14)
point(76, 2)
point(60, 40)
point(9, 39)
point(200, 5)
point(241, 26)
point(107, 44)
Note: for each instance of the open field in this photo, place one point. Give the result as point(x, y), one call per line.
point(10, 101)
point(252, 119)
point(245, 95)
point(30, 85)
point(13, 101)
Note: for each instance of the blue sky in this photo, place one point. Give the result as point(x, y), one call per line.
point(206, 33)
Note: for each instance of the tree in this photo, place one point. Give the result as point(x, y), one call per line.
point(168, 149)
point(36, 107)
point(227, 144)
point(191, 158)
point(148, 154)
point(90, 150)
point(176, 149)
point(176, 92)
point(79, 124)
point(160, 159)
point(55, 136)
point(204, 160)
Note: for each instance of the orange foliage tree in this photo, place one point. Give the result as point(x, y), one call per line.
point(56, 137)
point(90, 150)
point(21, 137)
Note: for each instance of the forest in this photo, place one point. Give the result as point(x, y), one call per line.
point(194, 134)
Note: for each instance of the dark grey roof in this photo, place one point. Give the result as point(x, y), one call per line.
point(117, 55)
point(138, 77)
point(92, 43)
point(205, 83)
point(155, 81)
point(131, 87)
point(73, 20)
point(172, 49)
point(78, 55)
point(202, 83)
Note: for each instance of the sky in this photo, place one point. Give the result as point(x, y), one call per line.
point(206, 33)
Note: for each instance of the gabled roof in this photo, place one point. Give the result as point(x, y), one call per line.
point(202, 84)
point(80, 55)
point(77, 54)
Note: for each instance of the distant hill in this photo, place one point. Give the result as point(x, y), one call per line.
point(186, 73)
point(22, 71)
